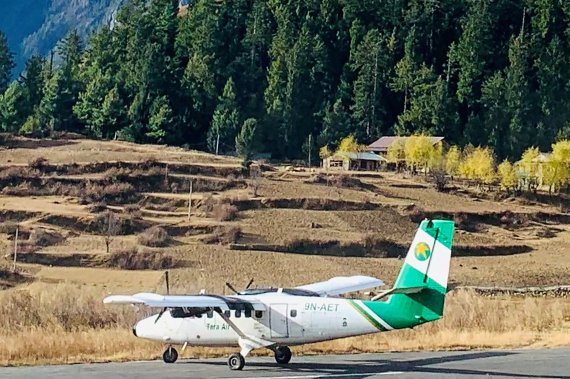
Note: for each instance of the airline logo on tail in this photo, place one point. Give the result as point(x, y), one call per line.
point(422, 251)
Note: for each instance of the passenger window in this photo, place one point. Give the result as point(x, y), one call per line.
point(247, 313)
point(210, 314)
point(238, 313)
point(293, 313)
point(227, 314)
point(258, 314)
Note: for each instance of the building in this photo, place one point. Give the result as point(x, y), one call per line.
point(365, 161)
point(381, 145)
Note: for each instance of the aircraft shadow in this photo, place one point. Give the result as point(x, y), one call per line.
point(360, 369)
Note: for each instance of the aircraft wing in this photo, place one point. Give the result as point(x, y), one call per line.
point(343, 284)
point(185, 301)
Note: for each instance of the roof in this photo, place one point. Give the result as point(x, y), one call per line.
point(384, 142)
point(365, 156)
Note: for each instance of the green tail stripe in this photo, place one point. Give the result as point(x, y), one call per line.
point(365, 314)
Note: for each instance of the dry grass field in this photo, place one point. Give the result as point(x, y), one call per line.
point(96, 218)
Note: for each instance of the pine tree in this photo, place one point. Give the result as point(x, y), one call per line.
point(225, 122)
point(246, 139)
point(6, 63)
point(10, 105)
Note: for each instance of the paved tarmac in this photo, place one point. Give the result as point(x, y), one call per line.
point(543, 363)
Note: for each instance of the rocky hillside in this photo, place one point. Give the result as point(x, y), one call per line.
point(35, 26)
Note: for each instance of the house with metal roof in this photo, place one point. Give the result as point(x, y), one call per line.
point(381, 145)
point(358, 161)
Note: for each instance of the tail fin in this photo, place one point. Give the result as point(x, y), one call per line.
point(425, 272)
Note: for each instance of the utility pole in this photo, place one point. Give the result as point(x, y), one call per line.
point(15, 248)
point(190, 201)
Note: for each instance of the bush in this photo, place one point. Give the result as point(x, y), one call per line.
point(225, 212)
point(224, 235)
point(132, 259)
point(41, 237)
point(153, 237)
point(133, 210)
point(39, 163)
point(97, 207)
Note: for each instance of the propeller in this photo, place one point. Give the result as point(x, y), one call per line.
point(167, 292)
point(229, 285)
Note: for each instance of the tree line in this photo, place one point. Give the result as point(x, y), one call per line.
point(531, 171)
point(305, 72)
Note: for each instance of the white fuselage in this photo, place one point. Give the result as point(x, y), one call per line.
point(288, 320)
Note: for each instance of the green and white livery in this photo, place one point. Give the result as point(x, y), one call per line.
point(276, 318)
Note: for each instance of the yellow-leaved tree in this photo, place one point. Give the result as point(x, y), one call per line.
point(479, 165)
point(452, 161)
point(507, 175)
point(560, 160)
point(418, 150)
point(325, 152)
point(529, 165)
point(395, 152)
point(349, 144)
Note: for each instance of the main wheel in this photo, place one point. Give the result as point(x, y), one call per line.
point(236, 361)
point(282, 355)
point(170, 355)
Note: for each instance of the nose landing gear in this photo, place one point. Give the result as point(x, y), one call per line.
point(170, 355)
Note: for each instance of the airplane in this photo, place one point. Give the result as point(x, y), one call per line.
point(276, 318)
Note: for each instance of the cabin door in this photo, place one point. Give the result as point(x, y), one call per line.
point(278, 321)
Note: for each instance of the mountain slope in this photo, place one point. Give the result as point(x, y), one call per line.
point(35, 26)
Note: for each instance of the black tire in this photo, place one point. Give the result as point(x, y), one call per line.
point(236, 361)
point(283, 355)
point(170, 355)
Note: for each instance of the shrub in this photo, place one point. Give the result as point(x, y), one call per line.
point(132, 259)
point(97, 207)
point(225, 212)
point(133, 210)
point(224, 235)
point(41, 237)
point(39, 163)
point(154, 236)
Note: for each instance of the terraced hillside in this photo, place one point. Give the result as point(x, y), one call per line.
point(88, 210)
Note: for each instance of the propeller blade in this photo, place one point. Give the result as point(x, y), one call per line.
point(160, 315)
point(249, 284)
point(167, 283)
point(232, 288)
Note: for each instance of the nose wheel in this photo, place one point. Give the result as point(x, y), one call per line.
point(282, 355)
point(170, 355)
point(236, 361)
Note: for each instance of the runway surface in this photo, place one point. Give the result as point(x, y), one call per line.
point(544, 363)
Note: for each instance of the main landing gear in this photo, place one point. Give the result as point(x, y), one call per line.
point(282, 355)
point(170, 355)
point(236, 361)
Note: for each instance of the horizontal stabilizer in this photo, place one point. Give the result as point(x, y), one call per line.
point(343, 284)
point(405, 290)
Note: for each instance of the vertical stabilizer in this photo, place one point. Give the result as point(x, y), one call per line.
point(426, 265)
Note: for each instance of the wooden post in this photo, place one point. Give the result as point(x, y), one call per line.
point(15, 248)
point(190, 201)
